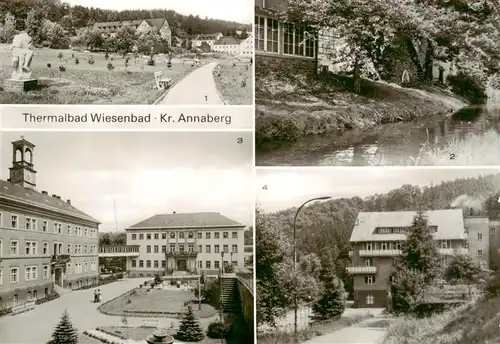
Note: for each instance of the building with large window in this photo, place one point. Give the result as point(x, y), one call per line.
point(377, 236)
point(280, 44)
point(194, 243)
point(45, 242)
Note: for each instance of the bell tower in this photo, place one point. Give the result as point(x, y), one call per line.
point(22, 171)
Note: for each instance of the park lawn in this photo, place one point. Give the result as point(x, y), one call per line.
point(142, 302)
point(235, 83)
point(140, 333)
point(85, 83)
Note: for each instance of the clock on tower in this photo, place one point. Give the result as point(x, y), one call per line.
point(22, 171)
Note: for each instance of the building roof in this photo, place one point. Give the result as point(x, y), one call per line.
point(186, 220)
point(155, 22)
point(207, 36)
point(34, 198)
point(227, 41)
point(449, 222)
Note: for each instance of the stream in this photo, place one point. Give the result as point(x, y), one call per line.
point(387, 144)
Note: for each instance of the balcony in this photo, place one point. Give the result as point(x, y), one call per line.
point(181, 254)
point(119, 251)
point(60, 260)
point(362, 269)
point(379, 253)
point(453, 251)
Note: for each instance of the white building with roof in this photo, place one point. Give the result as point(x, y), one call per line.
point(191, 242)
point(209, 38)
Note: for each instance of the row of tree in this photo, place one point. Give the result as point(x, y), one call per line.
point(72, 18)
point(376, 34)
point(323, 232)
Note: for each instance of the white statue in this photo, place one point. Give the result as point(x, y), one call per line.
point(22, 54)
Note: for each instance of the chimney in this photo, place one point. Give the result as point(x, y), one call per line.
point(54, 195)
point(45, 192)
point(58, 197)
point(68, 201)
point(173, 213)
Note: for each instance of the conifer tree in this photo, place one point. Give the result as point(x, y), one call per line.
point(417, 267)
point(64, 333)
point(331, 303)
point(190, 329)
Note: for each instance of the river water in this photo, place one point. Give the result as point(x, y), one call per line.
point(389, 144)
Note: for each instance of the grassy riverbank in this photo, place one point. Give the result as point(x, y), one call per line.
point(288, 109)
point(471, 324)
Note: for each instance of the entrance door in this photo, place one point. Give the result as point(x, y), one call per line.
point(58, 276)
point(181, 265)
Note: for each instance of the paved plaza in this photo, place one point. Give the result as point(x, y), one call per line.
point(197, 88)
point(36, 326)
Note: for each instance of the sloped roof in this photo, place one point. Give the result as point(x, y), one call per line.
point(227, 41)
point(155, 22)
point(207, 36)
point(32, 197)
point(186, 220)
point(449, 222)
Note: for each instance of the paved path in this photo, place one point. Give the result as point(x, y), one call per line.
point(366, 332)
point(197, 88)
point(36, 326)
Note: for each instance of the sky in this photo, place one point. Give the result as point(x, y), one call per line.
point(241, 11)
point(142, 173)
point(285, 188)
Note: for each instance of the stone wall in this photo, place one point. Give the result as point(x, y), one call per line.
point(266, 64)
point(7, 296)
point(246, 299)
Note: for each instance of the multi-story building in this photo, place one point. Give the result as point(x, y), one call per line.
point(246, 46)
point(44, 240)
point(140, 25)
point(377, 236)
point(196, 242)
point(227, 45)
point(209, 38)
point(288, 46)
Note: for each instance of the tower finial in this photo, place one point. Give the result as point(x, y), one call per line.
point(22, 137)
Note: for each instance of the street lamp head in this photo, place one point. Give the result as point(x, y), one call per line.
point(324, 198)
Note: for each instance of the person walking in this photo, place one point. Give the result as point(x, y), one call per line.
point(95, 295)
point(99, 296)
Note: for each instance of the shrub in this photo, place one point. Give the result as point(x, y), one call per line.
point(217, 330)
point(467, 87)
point(151, 61)
point(60, 55)
point(110, 66)
point(62, 68)
point(77, 61)
point(106, 55)
point(91, 60)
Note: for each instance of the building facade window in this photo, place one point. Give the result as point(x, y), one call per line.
point(14, 275)
point(134, 263)
point(298, 41)
point(134, 236)
point(369, 280)
point(479, 253)
point(207, 249)
point(30, 248)
point(225, 235)
point(266, 34)
point(14, 248)
point(234, 235)
point(14, 221)
point(479, 236)
point(370, 300)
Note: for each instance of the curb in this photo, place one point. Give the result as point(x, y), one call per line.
point(173, 84)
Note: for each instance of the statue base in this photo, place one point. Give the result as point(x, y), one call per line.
point(14, 85)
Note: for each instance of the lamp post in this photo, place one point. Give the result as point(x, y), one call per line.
point(295, 299)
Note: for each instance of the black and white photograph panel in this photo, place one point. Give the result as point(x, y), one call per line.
point(126, 237)
point(377, 255)
point(161, 52)
point(336, 87)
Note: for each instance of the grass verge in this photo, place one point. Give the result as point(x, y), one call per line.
point(477, 149)
point(235, 82)
point(316, 329)
point(475, 323)
point(142, 302)
point(289, 108)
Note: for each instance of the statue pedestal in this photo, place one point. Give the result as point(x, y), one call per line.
point(14, 85)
